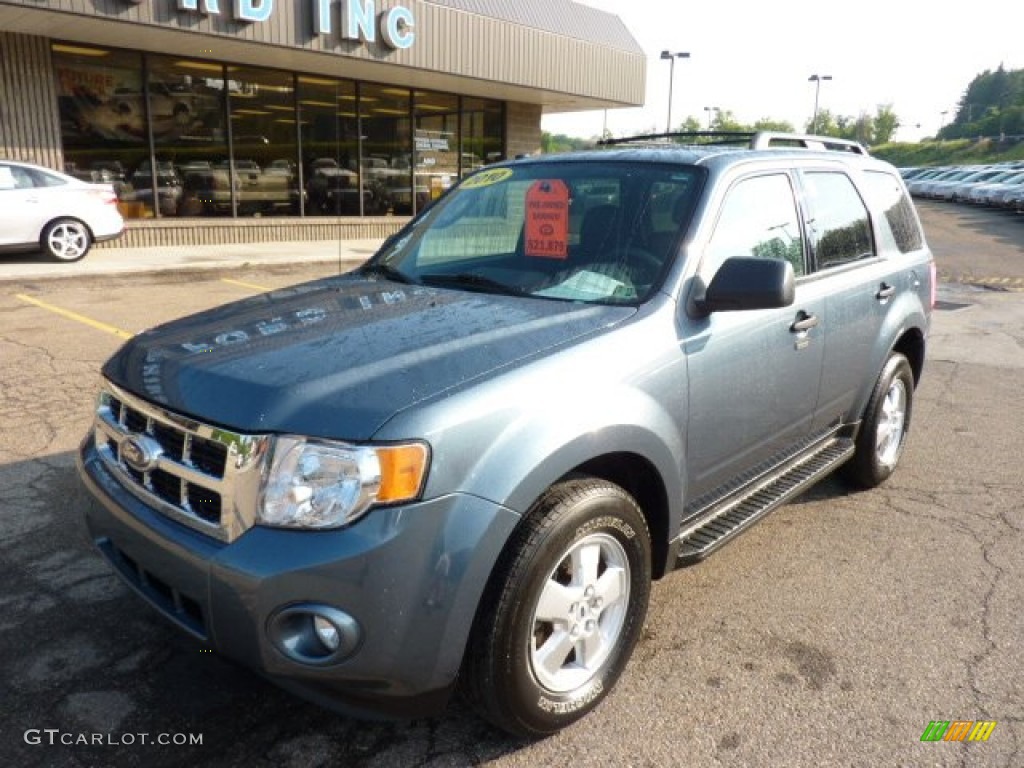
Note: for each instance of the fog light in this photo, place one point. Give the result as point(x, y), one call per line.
point(327, 633)
point(314, 634)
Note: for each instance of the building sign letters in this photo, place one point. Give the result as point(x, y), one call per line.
point(395, 27)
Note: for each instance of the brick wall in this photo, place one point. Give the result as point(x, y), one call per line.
point(186, 232)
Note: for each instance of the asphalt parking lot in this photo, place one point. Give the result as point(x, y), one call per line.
point(832, 634)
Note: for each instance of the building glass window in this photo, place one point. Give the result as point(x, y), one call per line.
point(157, 127)
point(387, 148)
point(330, 147)
point(435, 144)
point(102, 117)
point(483, 133)
point(264, 163)
point(187, 104)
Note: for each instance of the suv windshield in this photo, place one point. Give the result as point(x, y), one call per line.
point(595, 232)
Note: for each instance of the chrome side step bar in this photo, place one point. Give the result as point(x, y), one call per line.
point(724, 521)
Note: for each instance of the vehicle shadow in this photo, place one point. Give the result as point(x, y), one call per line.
point(80, 653)
point(23, 257)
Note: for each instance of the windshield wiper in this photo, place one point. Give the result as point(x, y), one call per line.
point(386, 271)
point(472, 282)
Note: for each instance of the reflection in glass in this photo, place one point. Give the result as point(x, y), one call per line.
point(190, 138)
point(387, 146)
point(103, 118)
point(435, 144)
point(296, 144)
point(330, 147)
point(264, 167)
point(483, 133)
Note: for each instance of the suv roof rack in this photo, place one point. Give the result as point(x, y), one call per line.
point(767, 139)
point(748, 139)
point(740, 138)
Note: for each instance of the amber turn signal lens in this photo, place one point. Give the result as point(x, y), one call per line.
point(403, 469)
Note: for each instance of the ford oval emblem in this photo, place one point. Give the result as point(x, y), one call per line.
point(140, 452)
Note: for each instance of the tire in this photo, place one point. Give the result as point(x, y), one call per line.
point(573, 583)
point(65, 240)
point(883, 432)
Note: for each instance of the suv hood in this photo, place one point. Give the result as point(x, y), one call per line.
point(338, 357)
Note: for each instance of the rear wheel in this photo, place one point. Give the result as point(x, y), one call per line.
point(563, 610)
point(883, 432)
point(66, 240)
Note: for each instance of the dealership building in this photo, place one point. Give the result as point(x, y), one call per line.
point(255, 120)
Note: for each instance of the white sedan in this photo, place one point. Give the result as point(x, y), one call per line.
point(42, 209)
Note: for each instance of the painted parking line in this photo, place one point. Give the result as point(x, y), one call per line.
point(75, 316)
point(251, 286)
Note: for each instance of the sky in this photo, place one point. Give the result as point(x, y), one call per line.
point(754, 57)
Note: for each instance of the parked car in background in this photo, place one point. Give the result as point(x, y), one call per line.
point(53, 212)
point(959, 190)
point(989, 192)
point(933, 187)
point(1013, 198)
point(332, 189)
point(169, 188)
point(915, 184)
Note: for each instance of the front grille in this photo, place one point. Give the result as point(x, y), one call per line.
point(202, 476)
point(207, 455)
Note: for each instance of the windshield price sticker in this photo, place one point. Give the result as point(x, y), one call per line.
point(547, 219)
point(487, 178)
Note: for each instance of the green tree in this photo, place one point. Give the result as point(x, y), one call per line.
point(885, 124)
point(768, 124)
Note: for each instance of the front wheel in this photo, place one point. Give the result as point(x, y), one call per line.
point(66, 240)
point(563, 610)
point(883, 432)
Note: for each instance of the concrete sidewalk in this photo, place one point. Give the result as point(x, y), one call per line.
point(113, 261)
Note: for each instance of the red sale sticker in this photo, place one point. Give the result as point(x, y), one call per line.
point(547, 219)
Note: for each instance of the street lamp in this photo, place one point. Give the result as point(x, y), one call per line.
point(709, 110)
point(672, 56)
point(816, 79)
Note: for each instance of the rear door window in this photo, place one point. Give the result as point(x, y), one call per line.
point(840, 230)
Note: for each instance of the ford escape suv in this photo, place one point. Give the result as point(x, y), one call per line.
point(460, 466)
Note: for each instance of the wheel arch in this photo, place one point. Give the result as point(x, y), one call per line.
point(912, 346)
point(641, 480)
point(65, 217)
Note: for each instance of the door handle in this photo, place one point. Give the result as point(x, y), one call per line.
point(885, 291)
point(803, 322)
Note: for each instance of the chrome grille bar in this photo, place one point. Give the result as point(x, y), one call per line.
point(201, 476)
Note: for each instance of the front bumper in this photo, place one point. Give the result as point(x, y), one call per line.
point(410, 577)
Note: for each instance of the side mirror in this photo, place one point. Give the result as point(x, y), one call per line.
point(744, 282)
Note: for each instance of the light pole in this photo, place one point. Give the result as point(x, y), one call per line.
point(672, 56)
point(709, 110)
point(816, 79)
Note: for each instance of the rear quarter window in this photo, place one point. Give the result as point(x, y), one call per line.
point(899, 222)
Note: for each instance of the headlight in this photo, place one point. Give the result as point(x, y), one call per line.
point(319, 484)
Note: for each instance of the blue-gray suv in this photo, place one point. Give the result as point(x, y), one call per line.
point(461, 465)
